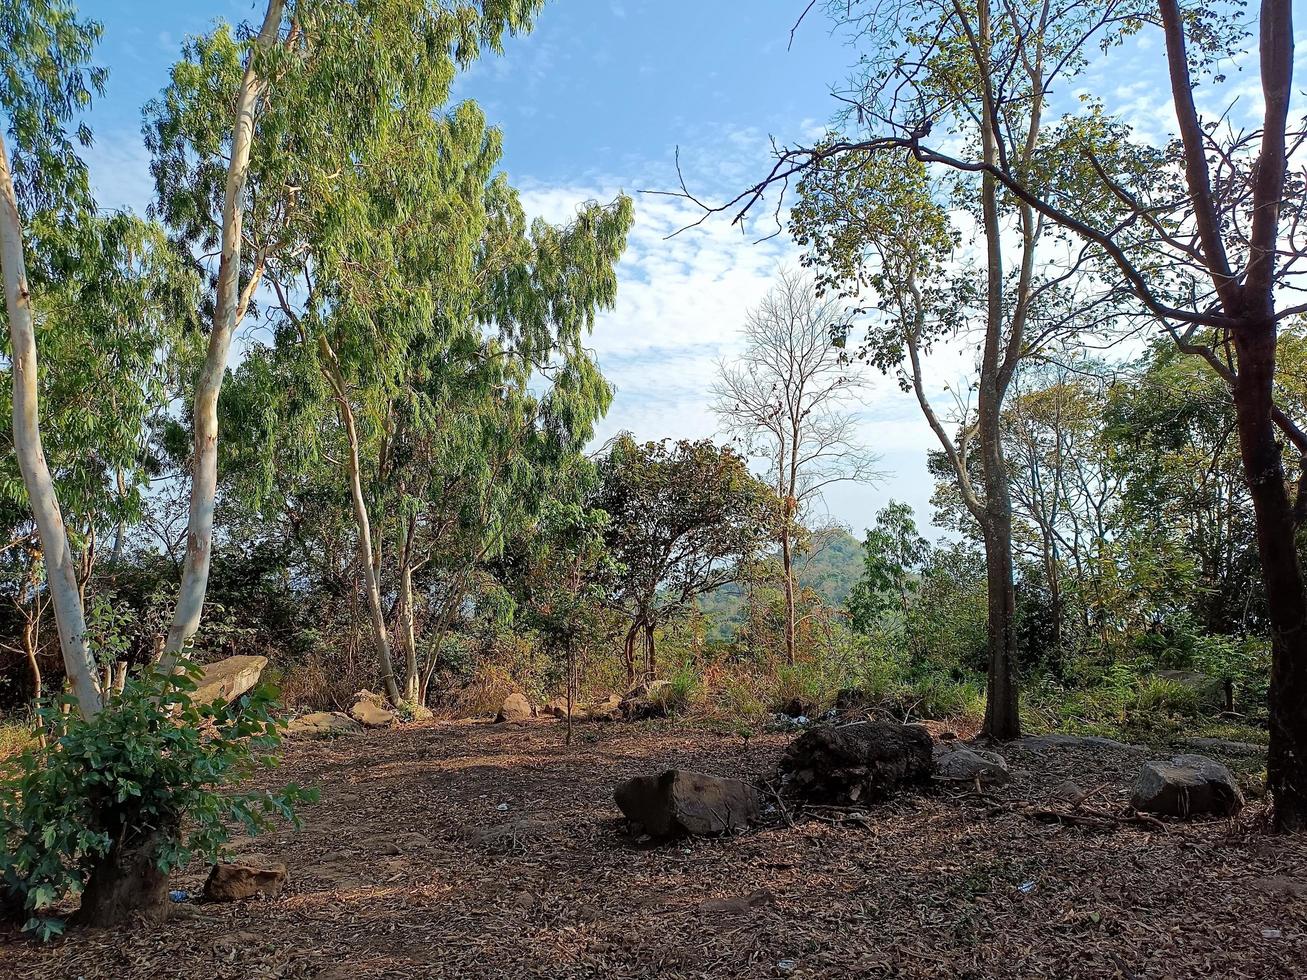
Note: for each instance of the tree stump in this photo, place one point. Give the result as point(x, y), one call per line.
point(856, 763)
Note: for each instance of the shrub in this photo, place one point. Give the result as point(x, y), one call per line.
point(682, 690)
point(1160, 694)
point(118, 801)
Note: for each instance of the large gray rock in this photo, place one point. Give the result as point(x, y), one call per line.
point(226, 680)
point(957, 763)
point(1186, 786)
point(323, 724)
point(682, 802)
point(1226, 746)
point(515, 708)
point(855, 763)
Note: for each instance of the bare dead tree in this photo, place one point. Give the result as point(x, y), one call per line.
point(789, 399)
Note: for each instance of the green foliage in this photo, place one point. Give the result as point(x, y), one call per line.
point(45, 80)
point(153, 763)
point(684, 519)
point(893, 555)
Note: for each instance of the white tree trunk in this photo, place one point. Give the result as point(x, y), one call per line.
point(204, 464)
point(61, 576)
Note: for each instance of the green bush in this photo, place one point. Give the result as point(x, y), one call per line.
point(1162, 695)
point(682, 690)
point(144, 776)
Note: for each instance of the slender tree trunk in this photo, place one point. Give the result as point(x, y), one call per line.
point(787, 560)
point(406, 629)
point(649, 661)
point(204, 462)
point(380, 635)
point(629, 652)
point(60, 572)
point(1002, 720)
point(29, 648)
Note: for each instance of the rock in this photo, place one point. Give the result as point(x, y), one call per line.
point(955, 762)
point(1186, 786)
point(226, 680)
point(1068, 791)
point(420, 712)
point(323, 724)
point(855, 763)
point(607, 710)
point(1227, 747)
point(242, 879)
point(515, 708)
point(370, 711)
point(682, 802)
point(1039, 743)
point(648, 700)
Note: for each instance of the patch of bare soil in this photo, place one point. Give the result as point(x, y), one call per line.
point(469, 850)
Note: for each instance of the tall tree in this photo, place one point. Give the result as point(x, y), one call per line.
point(45, 79)
point(787, 398)
point(241, 189)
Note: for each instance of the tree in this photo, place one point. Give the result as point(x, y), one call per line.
point(335, 99)
point(116, 318)
point(683, 520)
point(1204, 238)
point(786, 399)
point(45, 79)
point(894, 554)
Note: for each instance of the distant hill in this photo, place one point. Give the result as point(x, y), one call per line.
point(831, 573)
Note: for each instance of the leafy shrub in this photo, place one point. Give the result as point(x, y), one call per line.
point(1161, 694)
point(683, 689)
point(146, 773)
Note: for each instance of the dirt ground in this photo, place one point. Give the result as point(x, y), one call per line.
point(473, 850)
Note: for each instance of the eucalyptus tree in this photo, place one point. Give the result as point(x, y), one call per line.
point(406, 277)
point(45, 79)
point(683, 520)
point(115, 312)
point(239, 189)
point(788, 398)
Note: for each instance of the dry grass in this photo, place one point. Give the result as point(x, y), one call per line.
point(471, 851)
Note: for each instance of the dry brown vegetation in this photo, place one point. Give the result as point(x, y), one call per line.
point(409, 867)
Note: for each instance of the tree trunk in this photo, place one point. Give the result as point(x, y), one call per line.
point(1002, 719)
point(406, 630)
point(124, 885)
point(380, 635)
point(787, 560)
point(1281, 572)
point(60, 573)
point(649, 664)
point(629, 652)
point(204, 463)
point(29, 648)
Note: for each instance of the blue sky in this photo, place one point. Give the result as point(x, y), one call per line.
point(595, 101)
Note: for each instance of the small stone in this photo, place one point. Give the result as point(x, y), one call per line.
point(322, 724)
point(240, 880)
point(372, 714)
point(648, 700)
point(228, 679)
point(959, 763)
